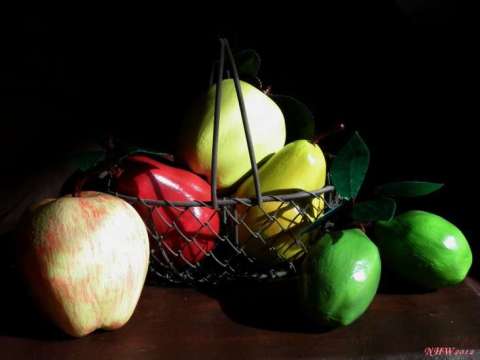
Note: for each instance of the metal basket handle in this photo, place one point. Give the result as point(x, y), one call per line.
point(224, 46)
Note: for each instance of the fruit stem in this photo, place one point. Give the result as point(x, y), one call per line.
point(80, 183)
point(362, 227)
point(339, 127)
point(268, 91)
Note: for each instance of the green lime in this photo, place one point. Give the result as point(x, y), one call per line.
point(340, 277)
point(424, 249)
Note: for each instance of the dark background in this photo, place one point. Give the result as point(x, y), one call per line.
point(403, 73)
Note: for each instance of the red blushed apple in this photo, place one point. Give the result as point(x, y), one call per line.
point(85, 260)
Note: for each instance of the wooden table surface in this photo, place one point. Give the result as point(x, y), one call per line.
point(250, 322)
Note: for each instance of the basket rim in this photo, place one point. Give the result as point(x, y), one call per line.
point(225, 201)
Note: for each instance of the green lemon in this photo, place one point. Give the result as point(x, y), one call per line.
point(340, 277)
point(424, 249)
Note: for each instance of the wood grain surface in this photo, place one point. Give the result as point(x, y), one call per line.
point(245, 321)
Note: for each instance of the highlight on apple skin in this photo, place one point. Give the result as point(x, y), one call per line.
point(85, 260)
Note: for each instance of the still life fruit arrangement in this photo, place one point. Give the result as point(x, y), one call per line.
point(249, 194)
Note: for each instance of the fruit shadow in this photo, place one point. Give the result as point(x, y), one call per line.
point(19, 316)
point(390, 284)
point(270, 306)
point(274, 306)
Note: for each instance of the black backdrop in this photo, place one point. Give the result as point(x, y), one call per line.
point(403, 73)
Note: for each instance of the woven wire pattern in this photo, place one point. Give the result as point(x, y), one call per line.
point(233, 255)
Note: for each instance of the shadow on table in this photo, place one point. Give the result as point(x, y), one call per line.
point(390, 284)
point(18, 315)
point(272, 306)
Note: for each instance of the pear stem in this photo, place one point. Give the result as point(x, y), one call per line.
point(336, 129)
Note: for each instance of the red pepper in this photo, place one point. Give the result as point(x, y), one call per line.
point(147, 178)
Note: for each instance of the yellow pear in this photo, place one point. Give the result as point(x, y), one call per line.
point(267, 129)
point(289, 245)
point(299, 165)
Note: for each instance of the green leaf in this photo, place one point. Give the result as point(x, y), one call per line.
point(299, 120)
point(373, 210)
point(409, 188)
point(350, 167)
point(132, 150)
point(86, 160)
point(248, 63)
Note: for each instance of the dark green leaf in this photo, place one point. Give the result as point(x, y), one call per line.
point(86, 160)
point(373, 210)
point(132, 150)
point(248, 63)
point(298, 118)
point(409, 188)
point(350, 167)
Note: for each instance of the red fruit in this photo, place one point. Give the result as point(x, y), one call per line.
point(149, 179)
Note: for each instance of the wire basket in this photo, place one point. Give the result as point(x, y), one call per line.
point(220, 238)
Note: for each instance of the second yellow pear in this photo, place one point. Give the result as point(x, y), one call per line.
point(300, 165)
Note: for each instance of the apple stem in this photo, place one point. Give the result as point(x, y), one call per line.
point(80, 183)
point(336, 129)
point(268, 90)
point(78, 186)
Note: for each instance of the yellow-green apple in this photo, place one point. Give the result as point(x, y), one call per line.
point(85, 260)
point(266, 123)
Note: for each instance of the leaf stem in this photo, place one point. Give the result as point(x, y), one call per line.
point(339, 127)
